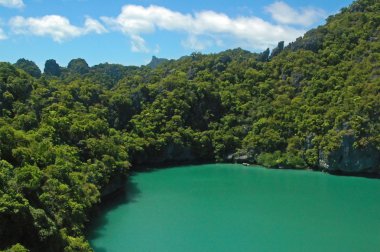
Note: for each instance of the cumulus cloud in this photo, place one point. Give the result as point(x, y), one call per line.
point(203, 29)
point(57, 27)
point(12, 3)
point(284, 14)
point(198, 30)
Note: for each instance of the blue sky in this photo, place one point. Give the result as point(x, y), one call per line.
point(130, 32)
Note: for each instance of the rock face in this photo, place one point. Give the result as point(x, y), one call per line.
point(241, 157)
point(170, 154)
point(348, 159)
point(175, 153)
point(115, 184)
point(155, 62)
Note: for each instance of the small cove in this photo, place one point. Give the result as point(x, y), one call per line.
point(228, 207)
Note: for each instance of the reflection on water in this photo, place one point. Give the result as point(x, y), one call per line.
point(226, 207)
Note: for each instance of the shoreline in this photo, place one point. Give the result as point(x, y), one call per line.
point(167, 165)
point(132, 197)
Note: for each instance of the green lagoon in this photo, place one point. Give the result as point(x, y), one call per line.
point(226, 207)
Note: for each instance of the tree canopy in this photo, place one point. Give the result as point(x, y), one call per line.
point(65, 135)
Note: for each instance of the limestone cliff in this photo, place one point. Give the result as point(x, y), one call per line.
point(349, 159)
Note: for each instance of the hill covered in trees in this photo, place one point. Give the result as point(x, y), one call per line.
point(67, 132)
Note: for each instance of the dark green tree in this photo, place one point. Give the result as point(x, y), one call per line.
point(28, 66)
point(78, 66)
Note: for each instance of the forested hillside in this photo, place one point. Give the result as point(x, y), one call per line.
point(67, 132)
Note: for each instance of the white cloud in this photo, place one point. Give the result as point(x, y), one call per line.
point(199, 30)
point(251, 32)
point(284, 14)
point(196, 43)
point(57, 27)
point(2, 35)
point(138, 44)
point(93, 25)
point(12, 3)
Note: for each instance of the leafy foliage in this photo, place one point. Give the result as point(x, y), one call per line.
point(66, 135)
point(28, 66)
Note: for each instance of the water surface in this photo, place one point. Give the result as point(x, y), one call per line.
point(224, 207)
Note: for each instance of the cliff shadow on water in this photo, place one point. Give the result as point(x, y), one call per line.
point(126, 194)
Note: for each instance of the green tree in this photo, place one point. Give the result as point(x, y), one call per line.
point(28, 66)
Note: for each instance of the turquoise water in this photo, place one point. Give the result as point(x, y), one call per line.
point(226, 207)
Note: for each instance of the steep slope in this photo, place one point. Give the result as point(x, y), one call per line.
point(66, 135)
point(332, 77)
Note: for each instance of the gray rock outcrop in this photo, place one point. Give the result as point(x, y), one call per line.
point(349, 159)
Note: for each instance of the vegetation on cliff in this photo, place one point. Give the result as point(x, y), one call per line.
point(66, 133)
